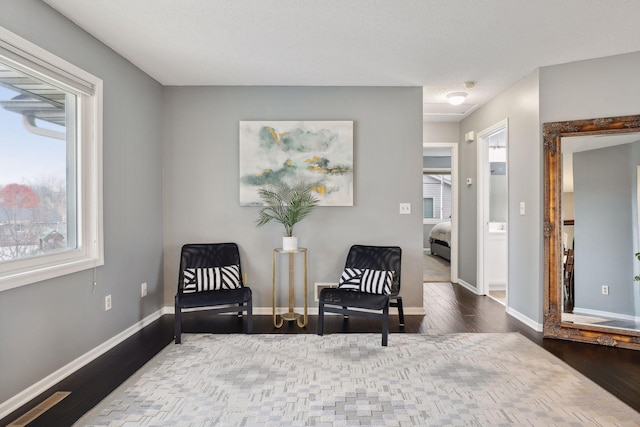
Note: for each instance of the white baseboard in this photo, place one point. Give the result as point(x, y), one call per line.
point(524, 319)
point(49, 381)
point(510, 311)
point(600, 313)
point(468, 286)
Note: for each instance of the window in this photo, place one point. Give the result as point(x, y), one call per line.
point(428, 207)
point(50, 157)
point(436, 194)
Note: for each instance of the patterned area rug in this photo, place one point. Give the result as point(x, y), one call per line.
point(349, 379)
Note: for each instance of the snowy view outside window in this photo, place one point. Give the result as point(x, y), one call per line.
point(37, 166)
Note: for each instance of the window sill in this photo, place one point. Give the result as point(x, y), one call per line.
point(15, 279)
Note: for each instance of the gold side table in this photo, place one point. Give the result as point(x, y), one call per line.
point(301, 320)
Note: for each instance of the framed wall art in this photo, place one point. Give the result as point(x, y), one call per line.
point(318, 153)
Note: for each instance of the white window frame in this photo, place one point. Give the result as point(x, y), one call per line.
point(89, 252)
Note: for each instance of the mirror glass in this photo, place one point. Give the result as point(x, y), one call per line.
point(600, 192)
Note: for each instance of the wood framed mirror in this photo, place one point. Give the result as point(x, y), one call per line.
point(592, 230)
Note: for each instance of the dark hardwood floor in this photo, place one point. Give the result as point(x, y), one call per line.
point(449, 309)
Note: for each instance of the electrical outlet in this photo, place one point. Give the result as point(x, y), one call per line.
point(605, 290)
point(143, 290)
point(405, 208)
point(107, 303)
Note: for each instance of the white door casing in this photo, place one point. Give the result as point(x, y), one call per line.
point(483, 194)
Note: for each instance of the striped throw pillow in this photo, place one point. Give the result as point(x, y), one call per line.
point(366, 280)
point(211, 279)
point(376, 282)
point(350, 279)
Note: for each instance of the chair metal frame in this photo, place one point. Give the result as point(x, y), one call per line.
point(349, 302)
point(202, 255)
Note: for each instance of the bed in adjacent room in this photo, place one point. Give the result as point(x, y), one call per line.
point(440, 240)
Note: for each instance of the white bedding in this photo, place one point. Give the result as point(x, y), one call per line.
point(442, 232)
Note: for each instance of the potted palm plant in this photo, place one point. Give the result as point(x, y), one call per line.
point(287, 205)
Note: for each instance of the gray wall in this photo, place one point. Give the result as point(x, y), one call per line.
point(440, 162)
point(440, 131)
point(603, 228)
point(601, 87)
point(46, 325)
point(201, 178)
point(519, 104)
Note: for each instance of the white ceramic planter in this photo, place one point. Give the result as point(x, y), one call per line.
point(290, 243)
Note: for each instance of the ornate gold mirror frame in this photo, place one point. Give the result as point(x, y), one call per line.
point(553, 251)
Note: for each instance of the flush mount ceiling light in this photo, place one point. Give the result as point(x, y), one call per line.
point(456, 98)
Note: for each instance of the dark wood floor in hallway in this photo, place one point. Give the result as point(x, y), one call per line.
point(449, 309)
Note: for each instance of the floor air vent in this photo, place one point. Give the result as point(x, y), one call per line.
point(43, 407)
point(319, 287)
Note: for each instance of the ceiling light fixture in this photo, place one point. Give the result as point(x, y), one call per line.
point(456, 98)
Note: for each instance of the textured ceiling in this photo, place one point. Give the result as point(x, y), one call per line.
point(436, 44)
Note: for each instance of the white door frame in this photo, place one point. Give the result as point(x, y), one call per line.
point(454, 196)
point(483, 204)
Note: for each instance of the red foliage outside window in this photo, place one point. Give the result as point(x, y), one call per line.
point(18, 196)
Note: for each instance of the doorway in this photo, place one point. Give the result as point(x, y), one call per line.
point(493, 212)
point(439, 212)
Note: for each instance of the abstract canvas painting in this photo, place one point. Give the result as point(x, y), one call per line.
point(318, 153)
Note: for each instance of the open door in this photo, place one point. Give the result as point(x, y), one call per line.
point(493, 217)
point(440, 215)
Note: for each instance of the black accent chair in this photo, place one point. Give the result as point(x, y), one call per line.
point(350, 302)
point(225, 300)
